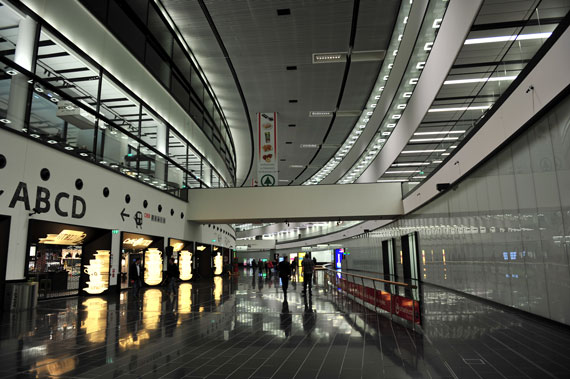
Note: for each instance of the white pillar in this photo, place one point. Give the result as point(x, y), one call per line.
point(115, 267)
point(25, 47)
point(17, 244)
point(161, 146)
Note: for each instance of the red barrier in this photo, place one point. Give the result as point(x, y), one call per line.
point(405, 308)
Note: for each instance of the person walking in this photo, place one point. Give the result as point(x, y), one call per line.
point(284, 273)
point(308, 268)
point(294, 267)
point(135, 275)
point(173, 274)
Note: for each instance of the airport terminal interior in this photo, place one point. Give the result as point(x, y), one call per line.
point(284, 189)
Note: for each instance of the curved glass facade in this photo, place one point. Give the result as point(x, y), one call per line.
point(143, 29)
point(54, 93)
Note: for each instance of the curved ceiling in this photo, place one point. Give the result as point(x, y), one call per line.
point(270, 45)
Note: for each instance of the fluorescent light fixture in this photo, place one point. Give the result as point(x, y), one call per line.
point(436, 23)
point(423, 151)
point(296, 166)
point(419, 177)
point(385, 133)
point(309, 146)
point(329, 57)
point(520, 37)
point(390, 126)
point(442, 132)
point(403, 172)
point(414, 81)
point(421, 65)
point(428, 46)
point(445, 154)
point(407, 94)
point(410, 164)
point(455, 109)
point(436, 162)
point(396, 116)
point(435, 139)
point(480, 80)
point(391, 180)
point(401, 106)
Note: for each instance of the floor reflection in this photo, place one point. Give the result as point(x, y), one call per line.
point(240, 326)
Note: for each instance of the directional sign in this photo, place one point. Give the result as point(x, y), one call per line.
point(123, 214)
point(267, 180)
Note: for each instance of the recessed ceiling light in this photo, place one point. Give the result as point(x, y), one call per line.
point(5, 121)
point(423, 151)
point(480, 80)
point(35, 135)
point(434, 139)
point(520, 37)
point(455, 109)
point(442, 132)
point(390, 126)
point(283, 12)
point(11, 72)
point(52, 142)
point(83, 154)
point(69, 148)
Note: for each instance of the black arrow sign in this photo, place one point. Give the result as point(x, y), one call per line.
point(123, 214)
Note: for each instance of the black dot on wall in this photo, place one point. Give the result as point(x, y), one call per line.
point(172, 212)
point(127, 198)
point(181, 214)
point(106, 192)
point(145, 203)
point(159, 208)
point(79, 184)
point(45, 174)
point(2, 161)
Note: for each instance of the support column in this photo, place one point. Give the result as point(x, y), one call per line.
point(161, 146)
point(19, 86)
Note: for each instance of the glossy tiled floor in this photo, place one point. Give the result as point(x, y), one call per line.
point(242, 328)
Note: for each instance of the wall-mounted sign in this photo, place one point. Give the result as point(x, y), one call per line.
point(98, 271)
point(267, 159)
point(65, 237)
point(137, 242)
point(201, 248)
point(185, 265)
point(218, 264)
point(153, 266)
point(61, 202)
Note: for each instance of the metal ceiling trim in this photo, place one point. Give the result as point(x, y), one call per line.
point(405, 50)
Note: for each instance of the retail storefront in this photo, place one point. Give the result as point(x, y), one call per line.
point(146, 248)
point(183, 253)
point(68, 259)
point(203, 260)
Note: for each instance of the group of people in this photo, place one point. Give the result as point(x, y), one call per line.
point(264, 266)
point(287, 269)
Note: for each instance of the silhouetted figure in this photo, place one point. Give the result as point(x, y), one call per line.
point(173, 274)
point(309, 316)
point(308, 268)
point(284, 274)
point(135, 275)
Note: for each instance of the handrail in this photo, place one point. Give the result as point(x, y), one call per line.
point(370, 278)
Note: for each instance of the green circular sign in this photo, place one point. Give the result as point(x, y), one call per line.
point(267, 180)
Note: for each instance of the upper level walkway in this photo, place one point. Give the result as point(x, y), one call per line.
point(241, 327)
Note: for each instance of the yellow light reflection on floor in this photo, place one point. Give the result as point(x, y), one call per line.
point(152, 306)
point(218, 287)
point(95, 322)
point(54, 366)
point(185, 298)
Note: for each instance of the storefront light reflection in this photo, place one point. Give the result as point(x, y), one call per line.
point(153, 267)
point(152, 306)
point(185, 265)
point(95, 323)
point(218, 287)
point(185, 298)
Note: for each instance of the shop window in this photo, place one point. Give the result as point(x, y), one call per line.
point(180, 92)
point(197, 86)
point(159, 30)
point(98, 8)
point(181, 61)
point(140, 8)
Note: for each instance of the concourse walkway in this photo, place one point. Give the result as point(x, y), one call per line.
point(241, 327)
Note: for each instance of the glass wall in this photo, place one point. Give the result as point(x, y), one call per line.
point(143, 28)
point(67, 102)
point(504, 233)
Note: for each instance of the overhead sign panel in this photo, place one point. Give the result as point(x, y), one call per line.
point(267, 159)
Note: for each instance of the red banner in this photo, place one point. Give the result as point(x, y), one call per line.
point(384, 300)
point(407, 309)
point(369, 295)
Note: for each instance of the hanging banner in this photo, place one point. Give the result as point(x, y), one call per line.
point(267, 159)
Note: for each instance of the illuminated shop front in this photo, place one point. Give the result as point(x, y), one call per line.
point(218, 260)
point(68, 259)
point(183, 253)
point(149, 249)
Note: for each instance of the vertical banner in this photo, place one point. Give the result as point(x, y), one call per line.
point(267, 159)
